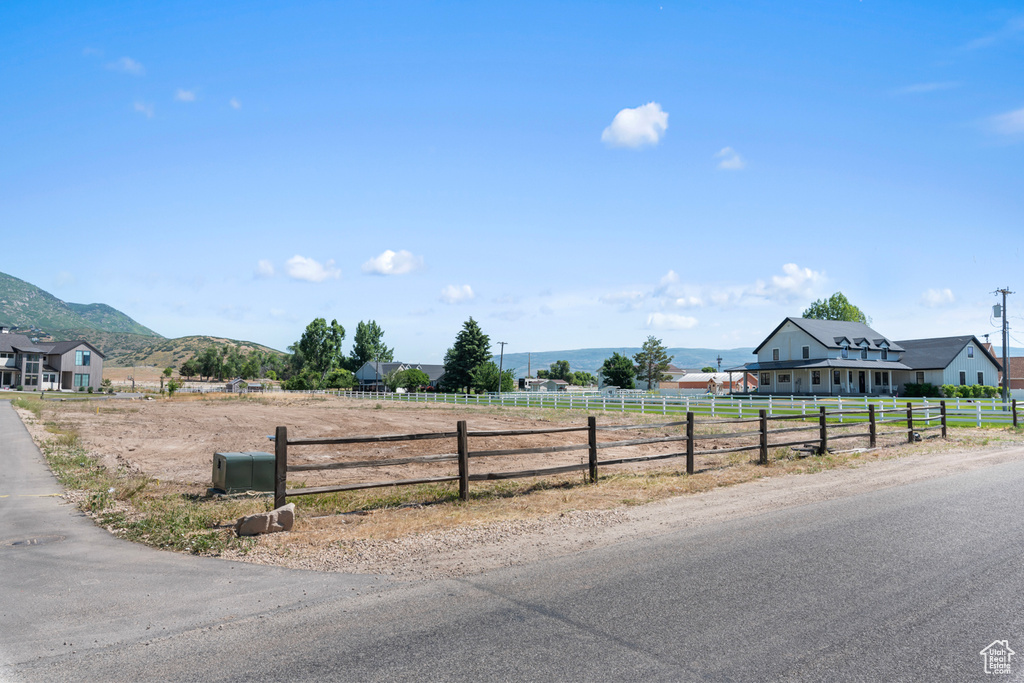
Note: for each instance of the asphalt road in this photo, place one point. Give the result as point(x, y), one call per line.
point(907, 583)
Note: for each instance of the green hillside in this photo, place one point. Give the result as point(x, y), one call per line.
point(164, 353)
point(24, 305)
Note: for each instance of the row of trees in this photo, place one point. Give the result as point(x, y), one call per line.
point(648, 365)
point(560, 370)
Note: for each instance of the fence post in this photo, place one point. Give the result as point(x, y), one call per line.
point(1013, 407)
point(822, 432)
point(763, 414)
point(689, 442)
point(592, 442)
point(463, 439)
point(280, 465)
point(872, 427)
point(910, 422)
point(942, 413)
point(978, 419)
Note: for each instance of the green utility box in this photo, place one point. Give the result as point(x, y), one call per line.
point(249, 471)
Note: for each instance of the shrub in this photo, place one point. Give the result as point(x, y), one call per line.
point(81, 389)
point(90, 390)
point(925, 389)
point(297, 384)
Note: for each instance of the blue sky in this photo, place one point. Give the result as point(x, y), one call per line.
point(569, 174)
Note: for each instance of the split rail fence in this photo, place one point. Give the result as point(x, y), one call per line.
point(912, 419)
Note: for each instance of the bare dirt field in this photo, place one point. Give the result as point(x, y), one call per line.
point(174, 441)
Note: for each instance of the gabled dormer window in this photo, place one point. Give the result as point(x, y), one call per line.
point(864, 353)
point(885, 354)
point(846, 352)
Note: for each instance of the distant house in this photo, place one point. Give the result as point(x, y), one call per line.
point(717, 383)
point(371, 375)
point(835, 357)
point(236, 386)
point(1016, 372)
point(49, 366)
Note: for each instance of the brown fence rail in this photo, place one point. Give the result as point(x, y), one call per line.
point(826, 420)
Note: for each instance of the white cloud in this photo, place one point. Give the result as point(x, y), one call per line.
point(393, 263)
point(919, 88)
point(457, 295)
point(235, 104)
point(937, 298)
point(795, 283)
point(689, 302)
point(1010, 123)
point(730, 160)
point(185, 95)
point(670, 321)
point(310, 270)
point(644, 125)
point(264, 269)
point(145, 109)
point(127, 65)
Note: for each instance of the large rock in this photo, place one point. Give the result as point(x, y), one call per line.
point(280, 519)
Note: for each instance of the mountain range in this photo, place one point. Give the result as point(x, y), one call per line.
point(124, 341)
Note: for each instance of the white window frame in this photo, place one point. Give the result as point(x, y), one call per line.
point(776, 354)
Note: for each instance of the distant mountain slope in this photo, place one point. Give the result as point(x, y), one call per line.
point(23, 304)
point(164, 353)
point(589, 360)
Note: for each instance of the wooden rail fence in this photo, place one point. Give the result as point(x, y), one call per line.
point(913, 426)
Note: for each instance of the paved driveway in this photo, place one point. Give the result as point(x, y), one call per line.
point(905, 583)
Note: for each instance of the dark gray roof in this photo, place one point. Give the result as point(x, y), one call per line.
point(832, 333)
point(939, 352)
point(65, 346)
point(9, 341)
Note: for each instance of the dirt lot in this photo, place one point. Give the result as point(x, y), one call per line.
point(174, 440)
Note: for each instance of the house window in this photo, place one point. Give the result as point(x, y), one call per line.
point(784, 378)
point(849, 378)
point(920, 378)
point(81, 380)
point(836, 378)
point(766, 379)
point(963, 378)
point(864, 353)
point(846, 352)
point(815, 375)
point(878, 378)
point(885, 379)
point(885, 354)
point(970, 352)
point(49, 377)
point(981, 378)
point(32, 364)
point(31, 380)
point(775, 354)
point(83, 357)
point(806, 351)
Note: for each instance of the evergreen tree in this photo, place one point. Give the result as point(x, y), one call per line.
point(651, 362)
point(472, 347)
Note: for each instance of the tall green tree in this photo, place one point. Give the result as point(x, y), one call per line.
point(412, 379)
point(560, 370)
point(321, 347)
point(368, 345)
point(583, 379)
point(618, 371)
point(836, 307)
point(485, 377)
point(472, 347)
point(651, 362)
